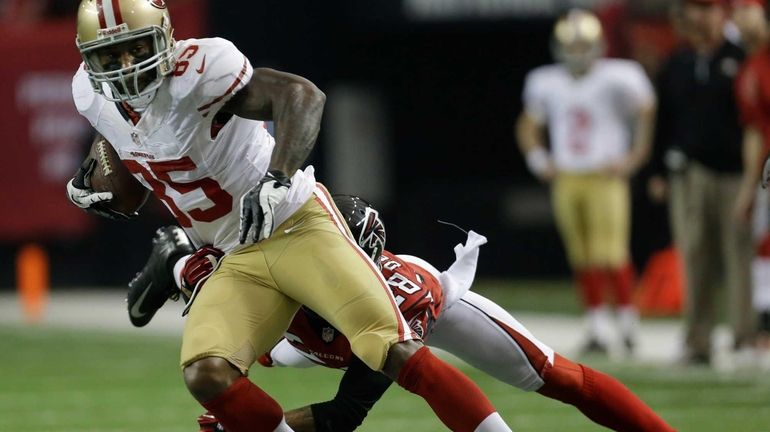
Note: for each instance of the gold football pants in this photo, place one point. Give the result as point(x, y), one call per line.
point(593, 217)
point(249, 301)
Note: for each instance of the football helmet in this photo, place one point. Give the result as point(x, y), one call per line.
point(365, 224)
point(105, 23)
point(578, 40)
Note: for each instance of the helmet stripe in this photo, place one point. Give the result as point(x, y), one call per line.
point(109, 13)
point(100, 10)
point(116, 11)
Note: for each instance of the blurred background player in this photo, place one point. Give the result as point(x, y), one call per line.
point(438, 306)
point(752, 90)
point(698, 143)
point(599, 114)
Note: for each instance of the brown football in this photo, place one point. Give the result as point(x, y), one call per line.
point(110, 175)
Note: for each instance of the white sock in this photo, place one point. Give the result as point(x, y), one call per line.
point(283, 427)
point(493, 423)
point(598, 321)
point(628, 321)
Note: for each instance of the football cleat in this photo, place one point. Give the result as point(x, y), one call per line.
point(154, 284)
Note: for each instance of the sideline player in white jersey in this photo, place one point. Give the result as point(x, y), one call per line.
point(186, 119)
point(439, 307)
point(599, 114)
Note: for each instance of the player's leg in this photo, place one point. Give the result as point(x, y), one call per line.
point(322, 268)
point(737, 252)
point(237, 315)
point(693, 219)
point(570, 195)
point(609, 216)
point(486, 336)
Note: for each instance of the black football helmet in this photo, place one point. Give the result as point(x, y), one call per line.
point(364, 222)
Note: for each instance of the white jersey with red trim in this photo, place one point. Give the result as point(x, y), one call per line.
point(589, 118)
point(196, 162)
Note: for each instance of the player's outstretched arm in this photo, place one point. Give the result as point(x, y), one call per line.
point(360, 388)
point(293, 103)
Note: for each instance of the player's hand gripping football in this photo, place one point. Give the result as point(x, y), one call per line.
point(258, 206)
point(81, 194)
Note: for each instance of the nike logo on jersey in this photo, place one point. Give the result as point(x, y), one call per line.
point(136, 308)
point(203, 65)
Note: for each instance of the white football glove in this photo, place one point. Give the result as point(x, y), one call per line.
point(258, 206)
point(79, 187)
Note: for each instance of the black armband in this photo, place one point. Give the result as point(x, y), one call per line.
point(360, 388)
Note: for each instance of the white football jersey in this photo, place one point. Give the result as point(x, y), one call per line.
point(588, 118)
point(198, 168)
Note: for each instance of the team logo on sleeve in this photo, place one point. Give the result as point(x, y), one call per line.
point(160, 4)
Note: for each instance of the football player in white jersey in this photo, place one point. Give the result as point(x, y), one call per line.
point(186, 118)
point(438, 306)
point(599, 115)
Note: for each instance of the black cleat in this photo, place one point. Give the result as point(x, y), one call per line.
point(154, 284)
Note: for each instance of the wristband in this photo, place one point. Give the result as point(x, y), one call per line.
point(538, 160)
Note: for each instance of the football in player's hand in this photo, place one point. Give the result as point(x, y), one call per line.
point(110, 175)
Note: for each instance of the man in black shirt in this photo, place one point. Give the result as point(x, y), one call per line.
point(699, 143)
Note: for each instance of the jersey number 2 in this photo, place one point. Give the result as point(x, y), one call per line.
point(159, 178)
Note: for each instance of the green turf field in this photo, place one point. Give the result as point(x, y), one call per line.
point(54, 380)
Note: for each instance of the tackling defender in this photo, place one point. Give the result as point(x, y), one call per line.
point(599, 113)
point(186, 117)
point(439, 307)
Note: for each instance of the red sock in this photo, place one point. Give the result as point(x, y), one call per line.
point(244, 407)
point(455, 399)
point(600, 397)
point(621, 281)
point(591, 284)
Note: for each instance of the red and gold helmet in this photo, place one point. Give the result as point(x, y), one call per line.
point(102, 23)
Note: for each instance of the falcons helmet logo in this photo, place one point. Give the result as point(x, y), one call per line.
point(372, 236)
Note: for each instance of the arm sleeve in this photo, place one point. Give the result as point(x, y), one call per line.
point(359, 390)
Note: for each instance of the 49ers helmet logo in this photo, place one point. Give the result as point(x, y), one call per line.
point(160, 4)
